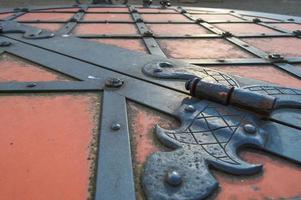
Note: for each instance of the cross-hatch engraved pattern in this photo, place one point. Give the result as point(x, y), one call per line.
point(274, 90)
point(212, 130)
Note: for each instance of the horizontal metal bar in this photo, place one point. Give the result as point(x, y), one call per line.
point(53, 86)
point(227, 61)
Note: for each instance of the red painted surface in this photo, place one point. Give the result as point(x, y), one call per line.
point(45, 16)
point(47, 26)
point(285, 46)
point(16, 69)
point(177, 29)
point(132, 44)
point(114, 29)
point(61, 10)
point(245, 28)
point(217, 17)
point(45, 146)
point(280, 179)
point(288, 26)
point(108, 17)
point(261, 18)
point(201, 48)
point(155, 10)
point(5, 15)
point(108, 9)
point(164, 18)
point(263, 73)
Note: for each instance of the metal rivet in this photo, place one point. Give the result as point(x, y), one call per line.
point(250, 128)
point(31, 85)
point(173, 178)
point(65, 35)
point(153, 45)
point(115, 127)
point(114, 82)
point(190, 108)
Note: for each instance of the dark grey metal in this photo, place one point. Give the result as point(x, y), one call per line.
point(114, 170)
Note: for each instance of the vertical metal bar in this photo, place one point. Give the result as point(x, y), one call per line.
point(114, 171)
point(148, 37)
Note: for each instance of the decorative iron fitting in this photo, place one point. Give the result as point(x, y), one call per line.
point(227, 95)
point(114, 82)
point(276, 58)
point(29, 32)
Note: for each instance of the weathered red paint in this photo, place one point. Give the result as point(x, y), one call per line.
point(251, 18)
point(280, 179)
point(108, 9)
point(108, 17)
point(202, 48)
point(131, 44)
point(13, 68)
point(177, 29)
point(47, 26)
point(47, 145)
point(288, 26)
point(286, 46)
point(60, 10)
point(164, 18)
point(5, 15)
point(112, 29)
point(244, 28)
point(155, 10)
point(262, 73)
point(217, 17)
point(45, 16)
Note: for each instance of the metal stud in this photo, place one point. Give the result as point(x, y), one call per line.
point(114, 82)
point(115, 127)
point(190, 108)
point(31, 85)
point(250, 128)
point(173, 178)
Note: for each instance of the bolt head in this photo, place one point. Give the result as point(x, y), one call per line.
point(114, 82)
point(190, 108)
point(115, 127)
point(173, 178)
point(250, 128)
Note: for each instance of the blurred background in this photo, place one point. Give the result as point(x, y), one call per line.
point(288, 7)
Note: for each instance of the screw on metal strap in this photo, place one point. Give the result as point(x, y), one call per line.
point(297, 32)
point(227, 34)
point(276, 57)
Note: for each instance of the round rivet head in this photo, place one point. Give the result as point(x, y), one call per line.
point(190, 108)
point(114, 82)
point(250, 128)
point(173, 178)
point(115, 127)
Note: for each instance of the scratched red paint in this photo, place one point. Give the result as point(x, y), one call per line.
point(288, 26)
point(60, 10)
point(104, 9)
point(155, 10)
point(13, 68)
point(45, 16)
point(45, 145)
point(217, 17)
point(131, 44)
point(280, 180)
point(177, 29)
point(5, 15)
point(245, 28)
point(285, 46)
point(262, 73)
point(108, 17)
point(47, 26)
point(164, 18)
point(114, 29)
point(201, 48)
